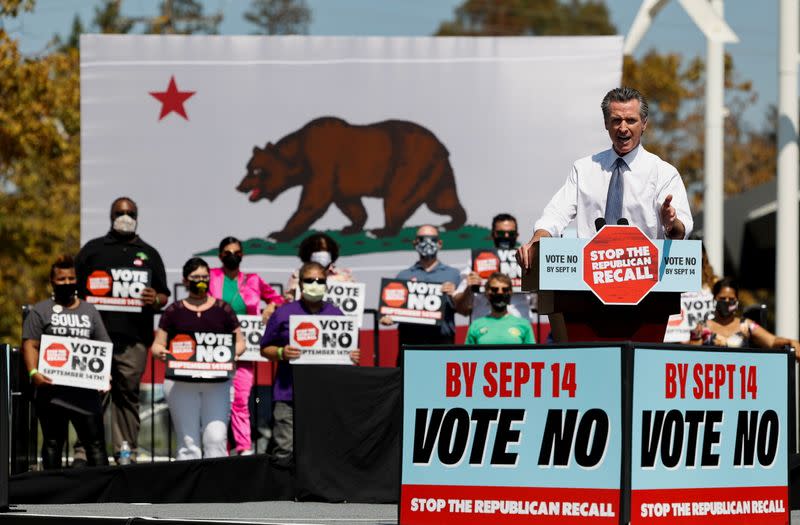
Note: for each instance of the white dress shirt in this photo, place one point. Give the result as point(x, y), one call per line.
point(648, 180)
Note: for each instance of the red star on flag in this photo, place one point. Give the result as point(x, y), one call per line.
point(172, 99)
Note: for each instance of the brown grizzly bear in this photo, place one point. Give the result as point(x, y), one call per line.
point(339, 163)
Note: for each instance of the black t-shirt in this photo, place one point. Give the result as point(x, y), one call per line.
point(108, 252)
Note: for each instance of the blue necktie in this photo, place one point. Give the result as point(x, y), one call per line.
point(615, 189)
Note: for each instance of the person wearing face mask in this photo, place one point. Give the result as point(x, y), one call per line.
point(322, 249)
point(130, 331)
point(727, 329)
point(275, 347)
point(429, 269)
point(245, 293)
point(199, 407)
point(467, 299)
point(64, 314)
point(499, 327)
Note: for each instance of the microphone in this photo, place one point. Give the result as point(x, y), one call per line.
point(623, 222)
point(599, 223)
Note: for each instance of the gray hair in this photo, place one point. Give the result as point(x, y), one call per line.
point(624, 94)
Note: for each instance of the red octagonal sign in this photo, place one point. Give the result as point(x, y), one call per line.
point(620, 265)
point(306, 334)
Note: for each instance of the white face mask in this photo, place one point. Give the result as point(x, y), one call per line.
point(313, 292)
point(124, 224)
point(321, 258)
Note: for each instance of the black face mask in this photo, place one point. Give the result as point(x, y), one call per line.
point(499, 301)
point(506, 240)
point(198, 287)
point(64, 293)
point(231, 261)
point(726, 307)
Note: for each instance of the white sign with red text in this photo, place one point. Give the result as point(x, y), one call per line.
point(323, 339)
point(70, 361)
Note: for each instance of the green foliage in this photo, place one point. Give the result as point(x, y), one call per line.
point(14, 7)
point(529, 17)
point(108, 18)
point(183, 17)
point(39, 181)
point(675, 89)
point(279, 17)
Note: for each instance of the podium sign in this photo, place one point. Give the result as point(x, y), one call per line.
point(495, 436)
point(619, 265)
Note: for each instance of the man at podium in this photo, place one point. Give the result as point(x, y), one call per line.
point(624, 184)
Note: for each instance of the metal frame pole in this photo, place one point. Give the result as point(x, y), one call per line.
point(5, 418)
point(714, 195)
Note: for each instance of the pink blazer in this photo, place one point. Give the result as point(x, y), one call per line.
point(251, 287)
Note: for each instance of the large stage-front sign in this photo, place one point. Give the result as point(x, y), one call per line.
point(710, 437)
point(594, 434)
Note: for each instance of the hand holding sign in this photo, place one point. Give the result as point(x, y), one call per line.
point(149, 296)
point(291, 353)
point(39, 379)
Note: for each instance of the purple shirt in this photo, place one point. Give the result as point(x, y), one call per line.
point(277, 334)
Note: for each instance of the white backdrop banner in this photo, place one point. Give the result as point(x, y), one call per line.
point(270, 138)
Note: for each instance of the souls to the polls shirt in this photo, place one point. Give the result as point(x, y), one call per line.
point(647, 182)
point(84, 322)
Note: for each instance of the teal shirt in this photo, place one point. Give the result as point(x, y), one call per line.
point(231, 295)
point(506, 330)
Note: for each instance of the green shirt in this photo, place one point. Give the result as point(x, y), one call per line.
point(505, 330)
point(231, 295)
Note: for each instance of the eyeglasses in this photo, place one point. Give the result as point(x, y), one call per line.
point(498, 289)
point(310, 280)
point(119, 213)
point(433, 238)
point(195, 279)
point(505, 233)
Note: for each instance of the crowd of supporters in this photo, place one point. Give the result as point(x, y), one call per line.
point(202, 408)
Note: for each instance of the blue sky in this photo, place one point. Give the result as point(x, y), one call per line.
point(755, 22)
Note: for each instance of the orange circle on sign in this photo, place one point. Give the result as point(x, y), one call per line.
point(306, 334)
point(182, 347)
point(98, 283)
point(395, 294)
point(56, 355)
point(485, 264)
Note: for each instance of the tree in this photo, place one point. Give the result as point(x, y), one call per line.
point(529, 17)
point(675, 89)
point(108, 18)
point(183, 17)
point(279, 17)
point(74, 38)
point(39, 160)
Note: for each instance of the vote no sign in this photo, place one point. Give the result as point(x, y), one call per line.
point(709, 437)
point(494, 436)
point(117, 289)
point(323, 339)
point(70, 361)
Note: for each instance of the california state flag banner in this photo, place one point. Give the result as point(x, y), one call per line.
point(271, 138)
